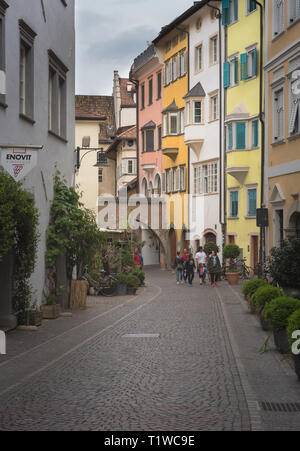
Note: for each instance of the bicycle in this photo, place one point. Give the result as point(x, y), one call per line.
point(243, 269)
point(106, 286)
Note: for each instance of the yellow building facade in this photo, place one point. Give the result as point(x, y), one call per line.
point(242, 125)
point(174, 46)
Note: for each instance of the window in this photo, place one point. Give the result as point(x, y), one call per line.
point(159, 138)
point(57, 96)
point(188, 113)
point(149, 141)
point(175, 40)
point(173, 123)
point(234, 204)
point(278, 115)
point(249, 64)
point(214, 108)
point(255, 133)
point(278, 17)
point(181, 114)
point(198, 58)
point(165, 124)
point(294, 10)
point(100, 175)
point(230, 12)
point(168, 46)
point(159, 85)
point(294, 116)
point(234, 71)
point(150, 90)
point(241, 135)
point(214, 50)
point(183, 63)
point(197, 112)
point(142, 96)
point(168, 72)
point(170, 180)
point(251, 6)
point(206, 179)
point(3, 7)
point(175, 68)
point(252, 202)
point(129, 167)
point(182, 171)
point(26, 70)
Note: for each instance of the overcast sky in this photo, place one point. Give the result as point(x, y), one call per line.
point(111, 33)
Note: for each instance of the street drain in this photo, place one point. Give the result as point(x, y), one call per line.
point(141, 336)
point(280, 406)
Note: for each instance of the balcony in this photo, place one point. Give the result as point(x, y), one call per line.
point(171, 152)
point(239, 173)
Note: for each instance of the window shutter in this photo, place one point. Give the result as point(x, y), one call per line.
point(225, 12)
point(226, 75)
point(134, 167)
point(236, 70)
point(241, 136)
point(294, 107)
point(236, 9)
point(124, 167)
point(230, 137)
point(255, 63)
point(255, 134)
point(252, 202)
point(244, 66)
point(163, 182)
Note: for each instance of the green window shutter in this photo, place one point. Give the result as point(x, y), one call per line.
point(244, 66)
point(252, 202)
point(226, 75)
point(225, 12)
point(255, 133)
point(241, 136)
point(236, 9)
point(252, 6)
point(255, 63)
point(234, 201)
point(236, 70)
point(230, 137)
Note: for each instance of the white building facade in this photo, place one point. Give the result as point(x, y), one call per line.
point(202, 128)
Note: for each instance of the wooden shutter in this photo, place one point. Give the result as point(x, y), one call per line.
point(226, 82)
point(241, 136)
point(236, 9)
point(124, 167)
point(230, 137)
point(254, 72)
point(225, 12)
point(163, 182)
point(244, 66)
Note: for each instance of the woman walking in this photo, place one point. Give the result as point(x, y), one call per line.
point(178, 265)
point(190, 267)
point(214, 268)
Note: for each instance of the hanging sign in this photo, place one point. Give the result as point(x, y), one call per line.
point(18, 162)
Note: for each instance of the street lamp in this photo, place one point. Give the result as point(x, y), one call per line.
point(101, 157)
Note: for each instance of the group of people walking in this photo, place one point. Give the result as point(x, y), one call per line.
point(206, 265)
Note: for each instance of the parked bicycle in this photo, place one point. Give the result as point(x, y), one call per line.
point(106, 285)
point(243, 268)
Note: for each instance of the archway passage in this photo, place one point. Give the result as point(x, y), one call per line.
point(210, 238)
point(173, 245)
point(294, 225)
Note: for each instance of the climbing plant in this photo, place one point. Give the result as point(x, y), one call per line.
point(72, 230)
point(18, 234)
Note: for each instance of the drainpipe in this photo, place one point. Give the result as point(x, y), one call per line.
point(262, 253)
point(219, 17)
point(137, 84)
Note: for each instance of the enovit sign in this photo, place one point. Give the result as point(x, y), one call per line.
point(18, 162)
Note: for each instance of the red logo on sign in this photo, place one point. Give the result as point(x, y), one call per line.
point(17, 169)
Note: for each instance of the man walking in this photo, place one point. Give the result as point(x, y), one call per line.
point(214, 268)
point(178, 265)
point(185, 257)
point(201, 260)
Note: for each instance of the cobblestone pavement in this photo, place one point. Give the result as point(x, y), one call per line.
point(170, 359)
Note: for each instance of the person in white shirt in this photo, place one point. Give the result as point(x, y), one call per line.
point(201, 259)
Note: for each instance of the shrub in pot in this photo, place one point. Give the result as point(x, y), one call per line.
point(141, 275)
point(51, 310)
point(293, 336)
point(132, 284)
point(209, 247)
point(284, 266)
point(248, 290)
point(277, 313)
point(231, 252)
point(122, 284)
point(261, 298)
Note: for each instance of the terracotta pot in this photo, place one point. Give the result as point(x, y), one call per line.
point(233, 277)
point(281, 341)
point(51, 311)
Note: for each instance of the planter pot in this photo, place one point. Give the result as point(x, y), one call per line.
point(32, 318)
point(51, 311)
point(251, 307)
point(281, 341)
point(297, 365)
point(293, 292)
point(233, 277)
point(131, 291)
point(122, 290)
point(264, 324)
point(78, 295)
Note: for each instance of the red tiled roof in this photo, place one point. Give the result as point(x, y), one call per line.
point(126, 97)
point(97, 108)
point(127, 132)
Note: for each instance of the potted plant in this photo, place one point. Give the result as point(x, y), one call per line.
point(141, 275)
point(292, 329)
point(261, 298)
point(248, 290)
point(51, 310)
point(277, 313)
point(132, 284)
point(209, 247)
point(284, 266)
point(122, 284)
point(231, 252)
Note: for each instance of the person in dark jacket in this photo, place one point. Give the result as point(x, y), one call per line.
point(190, 266)
point(214, 268)
point(178, 265)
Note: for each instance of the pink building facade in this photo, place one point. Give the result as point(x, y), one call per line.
point(147, 70)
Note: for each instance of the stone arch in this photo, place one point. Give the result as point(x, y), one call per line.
point(157, 185)
point(144, 187)
point(210, 236)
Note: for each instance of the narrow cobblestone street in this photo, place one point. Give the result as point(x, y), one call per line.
point(172, 358)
